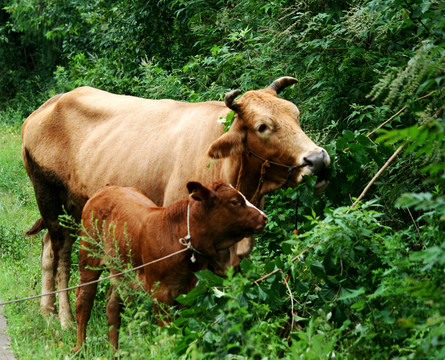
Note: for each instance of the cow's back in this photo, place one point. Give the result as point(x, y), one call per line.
point(88, 138)
point(117, 214)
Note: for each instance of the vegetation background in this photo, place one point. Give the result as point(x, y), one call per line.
point(362, 282)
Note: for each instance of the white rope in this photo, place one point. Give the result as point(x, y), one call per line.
point(94, 281)
point(185, 241)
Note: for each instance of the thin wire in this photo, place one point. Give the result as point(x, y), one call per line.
point(185, 241)
point(95, 281)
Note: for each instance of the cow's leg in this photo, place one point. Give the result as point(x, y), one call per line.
point(47, 303)
point(63, 277)
point(114, 308)
point(163, 300)
point(51, 196)
point(84, 303)
point(56, 261)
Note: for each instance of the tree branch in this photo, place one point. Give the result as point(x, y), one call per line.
point(365, 190)
point(398, 113)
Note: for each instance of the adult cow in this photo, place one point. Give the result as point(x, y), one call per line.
point(81, 140)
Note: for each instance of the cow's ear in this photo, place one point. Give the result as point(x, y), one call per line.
point(199, 192)
point(230, 143)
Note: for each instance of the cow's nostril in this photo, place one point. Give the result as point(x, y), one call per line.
point(316, 161)
point(308, 162)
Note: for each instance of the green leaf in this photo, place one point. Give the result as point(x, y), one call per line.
point(228, 121)
point(328, 293)
point(218, 293)
point(210, 278)
point(348, 135)
point(346, 294)
point(318, 269)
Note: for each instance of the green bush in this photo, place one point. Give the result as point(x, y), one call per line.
point(369, 281)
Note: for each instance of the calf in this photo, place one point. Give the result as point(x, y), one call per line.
point(130, 225)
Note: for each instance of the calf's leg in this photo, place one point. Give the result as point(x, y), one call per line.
point(84, 303)
point(114, 308)
point(163, 300)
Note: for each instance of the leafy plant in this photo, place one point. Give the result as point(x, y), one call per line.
point(348, 282)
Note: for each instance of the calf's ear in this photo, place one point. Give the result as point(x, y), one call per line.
point(199, 192)
point(230, 143)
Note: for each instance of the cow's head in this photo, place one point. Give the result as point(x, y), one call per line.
point(269, 127)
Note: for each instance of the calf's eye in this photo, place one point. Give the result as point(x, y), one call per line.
point(235, 202)
point(262, 128)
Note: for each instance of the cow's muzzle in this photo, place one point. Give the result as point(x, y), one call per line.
point(318, 164)
point(318, 161)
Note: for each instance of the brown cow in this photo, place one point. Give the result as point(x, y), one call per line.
point(77, 142)
point(130, 224)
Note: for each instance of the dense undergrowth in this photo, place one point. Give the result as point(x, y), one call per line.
point(361, 282)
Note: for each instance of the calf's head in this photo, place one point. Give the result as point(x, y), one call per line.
point(220, 216)
point(269, 127)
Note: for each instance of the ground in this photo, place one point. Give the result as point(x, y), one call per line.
point(5, 347)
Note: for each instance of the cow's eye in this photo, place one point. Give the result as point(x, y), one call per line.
point(262, 128)
point(235, 202)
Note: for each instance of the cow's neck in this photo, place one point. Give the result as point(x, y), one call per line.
point(251, 177)
point(257, 176)
point(176, 218)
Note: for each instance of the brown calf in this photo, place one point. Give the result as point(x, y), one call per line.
point(212, 220)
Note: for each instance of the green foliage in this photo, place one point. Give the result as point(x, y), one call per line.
point(228, 317)
point(367, 280)
point(228, 121)
point(12, 244)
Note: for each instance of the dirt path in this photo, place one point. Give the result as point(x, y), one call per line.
point(5, 348)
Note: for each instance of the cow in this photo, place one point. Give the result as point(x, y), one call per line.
point(77, 142)
point(121, 222)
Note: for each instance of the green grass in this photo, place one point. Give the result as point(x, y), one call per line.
point(18, 210)
point(32, 337)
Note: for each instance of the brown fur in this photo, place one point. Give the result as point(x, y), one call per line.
point(36, 228)
point(219, 217)
point(79, 141)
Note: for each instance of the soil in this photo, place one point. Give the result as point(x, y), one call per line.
point(5, 343)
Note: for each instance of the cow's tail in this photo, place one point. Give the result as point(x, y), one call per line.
point(36, 228)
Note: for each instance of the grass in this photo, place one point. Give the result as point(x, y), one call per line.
point(32, 337)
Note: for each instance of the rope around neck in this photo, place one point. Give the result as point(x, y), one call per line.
point(266, 164)
point(290, 168)
point(187, 240)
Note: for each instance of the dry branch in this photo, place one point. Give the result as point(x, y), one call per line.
point(398, 113)
point(365, 190)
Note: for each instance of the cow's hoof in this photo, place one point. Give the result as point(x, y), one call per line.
point(48, 311)
point(67, 322)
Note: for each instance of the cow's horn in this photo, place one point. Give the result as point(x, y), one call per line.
point(282, 83)
point(229, 99)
